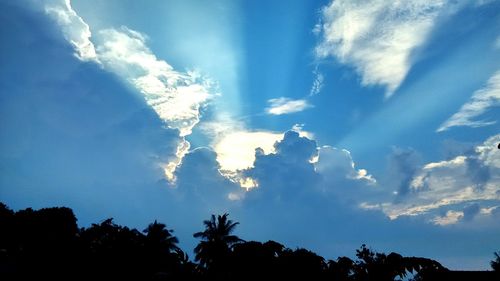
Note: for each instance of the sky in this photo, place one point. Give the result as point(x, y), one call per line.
point(318, 124)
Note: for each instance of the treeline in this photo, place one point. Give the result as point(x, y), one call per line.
point(47, 244)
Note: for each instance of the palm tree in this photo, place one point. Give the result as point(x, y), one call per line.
point(160, 238)
point(160, 246)
point(216, 242)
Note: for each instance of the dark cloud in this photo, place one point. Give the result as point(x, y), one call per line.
point(198, 180)
point(478, 172)
point(290, 162)
point(70, 133)
point(403, 163)
point(470, 211)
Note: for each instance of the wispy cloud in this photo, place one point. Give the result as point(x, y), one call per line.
point(482, 100)
point(318, 82)
point(280, 106)
point(75, 30)
point(175, 96)
point(378, 37)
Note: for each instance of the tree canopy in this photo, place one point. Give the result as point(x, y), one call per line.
point(47, 244)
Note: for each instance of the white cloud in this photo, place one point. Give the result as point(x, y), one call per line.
point(465, 179)
point(481, 101)
point(338, 162)
point(236, 146)
point(451, 217)
point(318, 83)
point(377, 37)
point(236, 150)
point(74, 29)
point(176, 97)
point(284, 105)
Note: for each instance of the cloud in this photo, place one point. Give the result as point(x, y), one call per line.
point(101, 152)
point(71, 133)
point(482, 100)
point(74, 29)
point(235, 146)
point(199, 179)
point(319, 81)
point(378, 38)
point(236, 151)
point(298, 167)
point(338, 163)
point(403, 164)
point(451, 217)
point(280, 106)
point(287, 172)
point(455, 184)
point(176, 97)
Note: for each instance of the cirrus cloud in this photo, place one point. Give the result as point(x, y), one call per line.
point(482, 100)
point(378, 38)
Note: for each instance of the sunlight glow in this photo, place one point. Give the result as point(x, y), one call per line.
point(236, 151)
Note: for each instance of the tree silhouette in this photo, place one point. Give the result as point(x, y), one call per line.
point(342, 269)
point(161, 248)
point(379, 266)
point(47, 244)
point(254, 260)
point(301, 264)
point(495, 264)
point(216, 242)
point(160, 238)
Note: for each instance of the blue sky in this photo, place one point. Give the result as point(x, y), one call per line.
point(319, 124)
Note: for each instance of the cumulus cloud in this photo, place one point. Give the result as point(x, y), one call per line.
point(75, 30)
point(175, 96)
point(462, 184)
point(482, 100)
point(338, 163)
point(291, 160)
point(282, 105)
point(199, 179)
point(298, 167)
point(378, 38)
point(235, 145)
point(236, 151)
